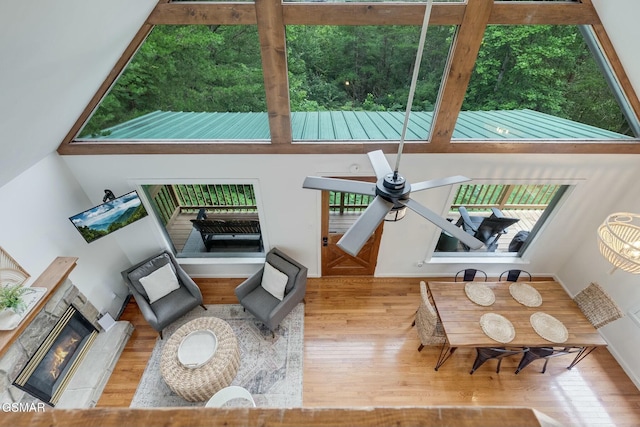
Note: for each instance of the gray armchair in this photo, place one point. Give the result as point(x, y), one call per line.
point(264, 306)
point(170, 307)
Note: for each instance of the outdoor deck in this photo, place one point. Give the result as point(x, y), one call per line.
point(180, 227)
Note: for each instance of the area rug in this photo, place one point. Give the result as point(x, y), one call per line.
point(270, 367)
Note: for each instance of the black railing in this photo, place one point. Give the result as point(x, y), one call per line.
point(342, 203)
point(172, 199)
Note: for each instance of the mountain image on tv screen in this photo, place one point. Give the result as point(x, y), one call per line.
point(109, 217)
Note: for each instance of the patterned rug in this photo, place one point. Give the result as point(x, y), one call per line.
point(270, 368)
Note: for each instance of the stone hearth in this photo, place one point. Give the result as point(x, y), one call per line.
point(85, 387)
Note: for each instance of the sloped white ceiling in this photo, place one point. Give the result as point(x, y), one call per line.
point(53, 57)
point(55, 54)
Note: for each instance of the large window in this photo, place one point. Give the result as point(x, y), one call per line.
point(540, 82)
point(318, 75)
point(208, 220)
point(505, 217)
point(187, 82)
point(351, 83)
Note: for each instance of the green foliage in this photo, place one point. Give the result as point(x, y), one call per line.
point(363, 68)
point(218, 68)
point(543, 68)
point(11, 297)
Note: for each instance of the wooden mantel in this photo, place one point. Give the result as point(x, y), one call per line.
point(51, 278)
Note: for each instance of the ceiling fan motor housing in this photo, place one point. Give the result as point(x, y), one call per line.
point(393, 187)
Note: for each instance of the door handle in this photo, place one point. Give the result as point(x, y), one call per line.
point(325, 241)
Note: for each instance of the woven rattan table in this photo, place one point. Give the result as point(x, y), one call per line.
point(199, 384)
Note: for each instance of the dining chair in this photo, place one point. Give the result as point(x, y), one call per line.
point(597, 305)
point(599, 309)
point(488, 353)
point(545, 353)
point(469, 275)
point(513, 275)
point(429, 326)
point(427, 321)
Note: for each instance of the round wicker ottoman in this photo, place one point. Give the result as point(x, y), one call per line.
point(199, 384)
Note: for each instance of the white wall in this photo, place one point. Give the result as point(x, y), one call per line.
point(587, 265)
point(620, 19)
point(54, 56)
point(35, 229)
point(291, 214)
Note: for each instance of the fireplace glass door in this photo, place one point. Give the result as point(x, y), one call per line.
point(49, 370)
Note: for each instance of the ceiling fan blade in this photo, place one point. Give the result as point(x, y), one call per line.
point(342, 185)
point(380, 164)
point(440, 182)
point(356, 236)
point(447, 226)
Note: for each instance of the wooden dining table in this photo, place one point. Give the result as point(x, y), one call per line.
point(460, 317)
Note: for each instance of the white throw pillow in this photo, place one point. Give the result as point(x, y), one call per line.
point(274, 281)
point(160, 283)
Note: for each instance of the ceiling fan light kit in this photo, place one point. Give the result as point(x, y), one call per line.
point(391, 191)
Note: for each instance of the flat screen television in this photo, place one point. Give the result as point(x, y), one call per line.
point(108, 217)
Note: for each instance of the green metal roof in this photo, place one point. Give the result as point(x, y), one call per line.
point(351, 126)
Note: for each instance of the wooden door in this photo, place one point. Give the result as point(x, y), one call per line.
point(336, 262)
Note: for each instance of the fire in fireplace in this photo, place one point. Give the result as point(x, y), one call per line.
point(50, 369)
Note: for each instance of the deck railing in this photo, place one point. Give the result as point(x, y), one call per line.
point(341, 203)
point(172, 199)
point(504, 197)
point(473, 197)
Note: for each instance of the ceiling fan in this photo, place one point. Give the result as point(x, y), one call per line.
point(391, 190)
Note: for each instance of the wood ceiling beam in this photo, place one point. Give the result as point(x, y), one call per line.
point(228, 13)
point(274, 67)
point(214, 13)
point(459, 146)
point(460, 63)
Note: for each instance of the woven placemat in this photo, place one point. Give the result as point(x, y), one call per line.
point(525, 294)
point(480, 293)
point(548, 327)
point(497, 327)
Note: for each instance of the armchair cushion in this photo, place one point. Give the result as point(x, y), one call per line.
point(160, 283)
point(286, 267)
point(146, 269)
point(274, 281)
point(262, 303)
point(168, 309)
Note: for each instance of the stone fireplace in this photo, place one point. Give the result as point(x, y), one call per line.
point(52, 366)
point(67, 322)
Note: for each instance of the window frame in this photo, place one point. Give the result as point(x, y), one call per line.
point(214, 257)
point(553, 209)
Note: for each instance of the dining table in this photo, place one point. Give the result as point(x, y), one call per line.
point(461, 316)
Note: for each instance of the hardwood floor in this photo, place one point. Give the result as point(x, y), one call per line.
point(360, 350)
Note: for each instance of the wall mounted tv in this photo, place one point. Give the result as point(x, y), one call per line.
point(108, 217)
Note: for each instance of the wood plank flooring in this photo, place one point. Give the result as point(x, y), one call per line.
point(360, 350)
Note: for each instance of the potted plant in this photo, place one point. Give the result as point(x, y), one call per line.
point(11, 298)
